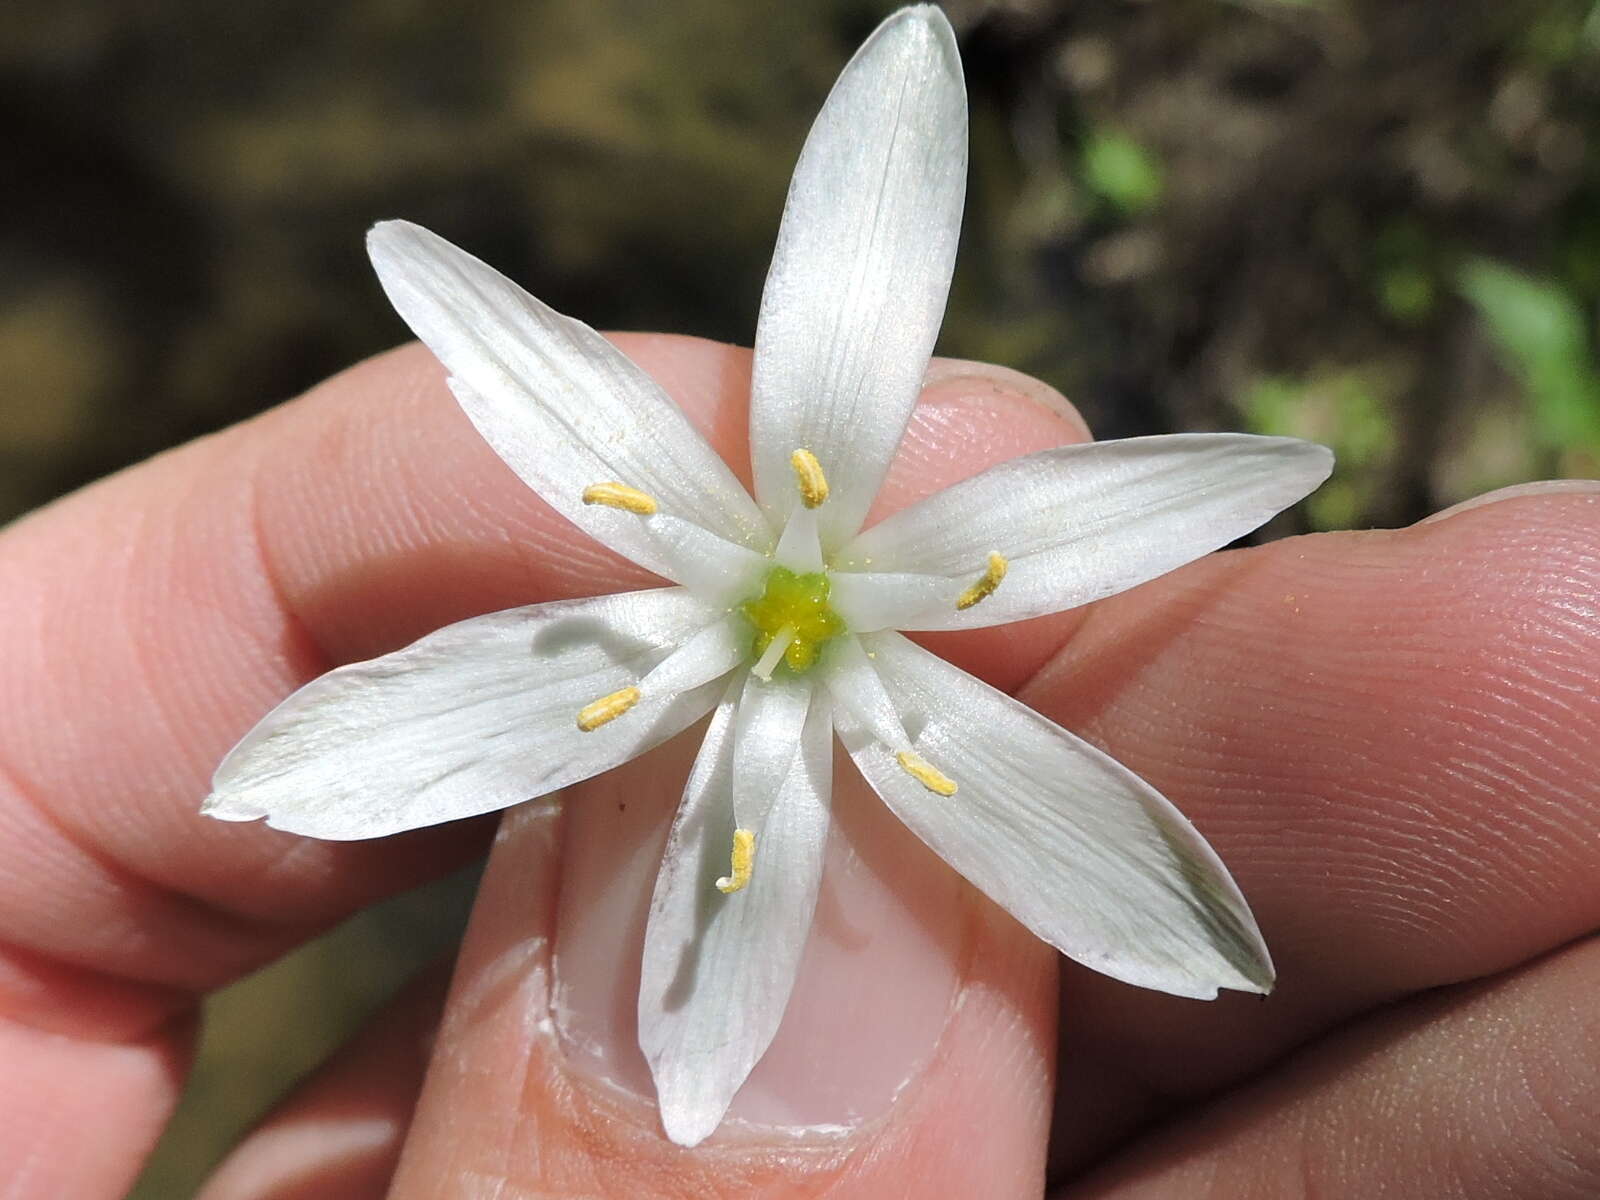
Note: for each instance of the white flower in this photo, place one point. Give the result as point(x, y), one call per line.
point(781, 622)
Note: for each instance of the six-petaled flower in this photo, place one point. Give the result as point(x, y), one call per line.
point(783, 615)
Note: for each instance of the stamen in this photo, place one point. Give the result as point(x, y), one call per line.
point(768, 661)
point(925, 773)
point(607, 708)
point(986, 584)
point(619, 495)
point(808, 472)
point(743, 862)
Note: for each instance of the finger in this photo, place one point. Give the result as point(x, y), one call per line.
point(922, 1014)
point(1387, 736)
point(79, 1114)
point(338, 1135)
point(151, 619)
point(1486, 1090)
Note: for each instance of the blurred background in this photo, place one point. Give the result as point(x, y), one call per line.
point(1370, 223)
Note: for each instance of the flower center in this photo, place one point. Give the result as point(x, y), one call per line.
point(792, 619)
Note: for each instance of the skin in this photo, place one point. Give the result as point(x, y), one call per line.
point(1388, 736)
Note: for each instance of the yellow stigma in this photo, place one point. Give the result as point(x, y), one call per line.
point(986, 584)
point(793, 619)
point(808, 473)
point(620, 495)
point(607, 708)
point(743, 863)
point(925, 773)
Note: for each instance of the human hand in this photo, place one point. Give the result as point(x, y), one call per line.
point(1384, 734)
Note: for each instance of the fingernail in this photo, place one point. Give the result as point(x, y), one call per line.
point(970, 417)
point(1542, 487)
point(344, 1155)
point(877, 982)
point(978, 379)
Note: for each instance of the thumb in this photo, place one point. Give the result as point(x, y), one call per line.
point(914, 1057)
point(916, 1053)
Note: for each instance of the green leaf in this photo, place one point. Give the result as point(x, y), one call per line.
point(1406, 292)
point(1543, 335)
point(1121, 171)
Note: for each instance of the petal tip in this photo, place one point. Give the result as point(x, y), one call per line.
point(688, 1125)
point(1248, 969)
point(1318, 463)
point(930, 15)
point(1260, 976)
point(927, 20)
point(922, 32)
point(392, 244)
point(1325, 458)
point(1315, 452)
point(1253, 979)
point(1308, 451)
point(223, 808)
point(1308, 463)
point(383, 234)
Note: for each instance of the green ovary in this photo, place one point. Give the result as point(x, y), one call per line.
point(798, 603)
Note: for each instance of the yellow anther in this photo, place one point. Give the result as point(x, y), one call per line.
point(925, 773)
point(620, 495)
point(743, 862)
point(986, 584)
point(808, 472)
point(607, 708)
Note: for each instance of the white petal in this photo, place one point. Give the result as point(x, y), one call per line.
point(1075, 846)
point(771, 716)
point(868, 601)
point(799, 548)
point(476, 716)
point(857, 688)
point(862, 266)
point(561, 405)
point(709, 654)
point(1083, 522)
point(718, 969)
point(718, 571)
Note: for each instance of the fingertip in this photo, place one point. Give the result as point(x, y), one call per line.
point(339, 1133)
